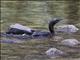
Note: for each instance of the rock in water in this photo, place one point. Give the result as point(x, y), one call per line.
point(21, 27)
point(67, 28)
point(70, 42)
point(11, 41)
point(53, 52)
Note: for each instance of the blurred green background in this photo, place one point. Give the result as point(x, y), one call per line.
point(38, 13)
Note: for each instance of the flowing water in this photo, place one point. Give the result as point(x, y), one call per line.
point(36, 14)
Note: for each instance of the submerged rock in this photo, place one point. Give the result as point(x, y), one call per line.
point(11, 41)
point(53, 52)
point(70, 42)
point(67, 28)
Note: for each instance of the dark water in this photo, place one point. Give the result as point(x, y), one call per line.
point(36, 14)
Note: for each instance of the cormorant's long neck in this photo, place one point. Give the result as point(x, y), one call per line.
point(51, 26)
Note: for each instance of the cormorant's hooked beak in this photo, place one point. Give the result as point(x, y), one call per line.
point(57, 20)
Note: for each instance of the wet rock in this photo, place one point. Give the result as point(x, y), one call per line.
point(11, 41)
point(53, 52)
point(70, 42)
point(67, 28)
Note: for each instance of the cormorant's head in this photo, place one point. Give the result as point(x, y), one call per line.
point(54, 21)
